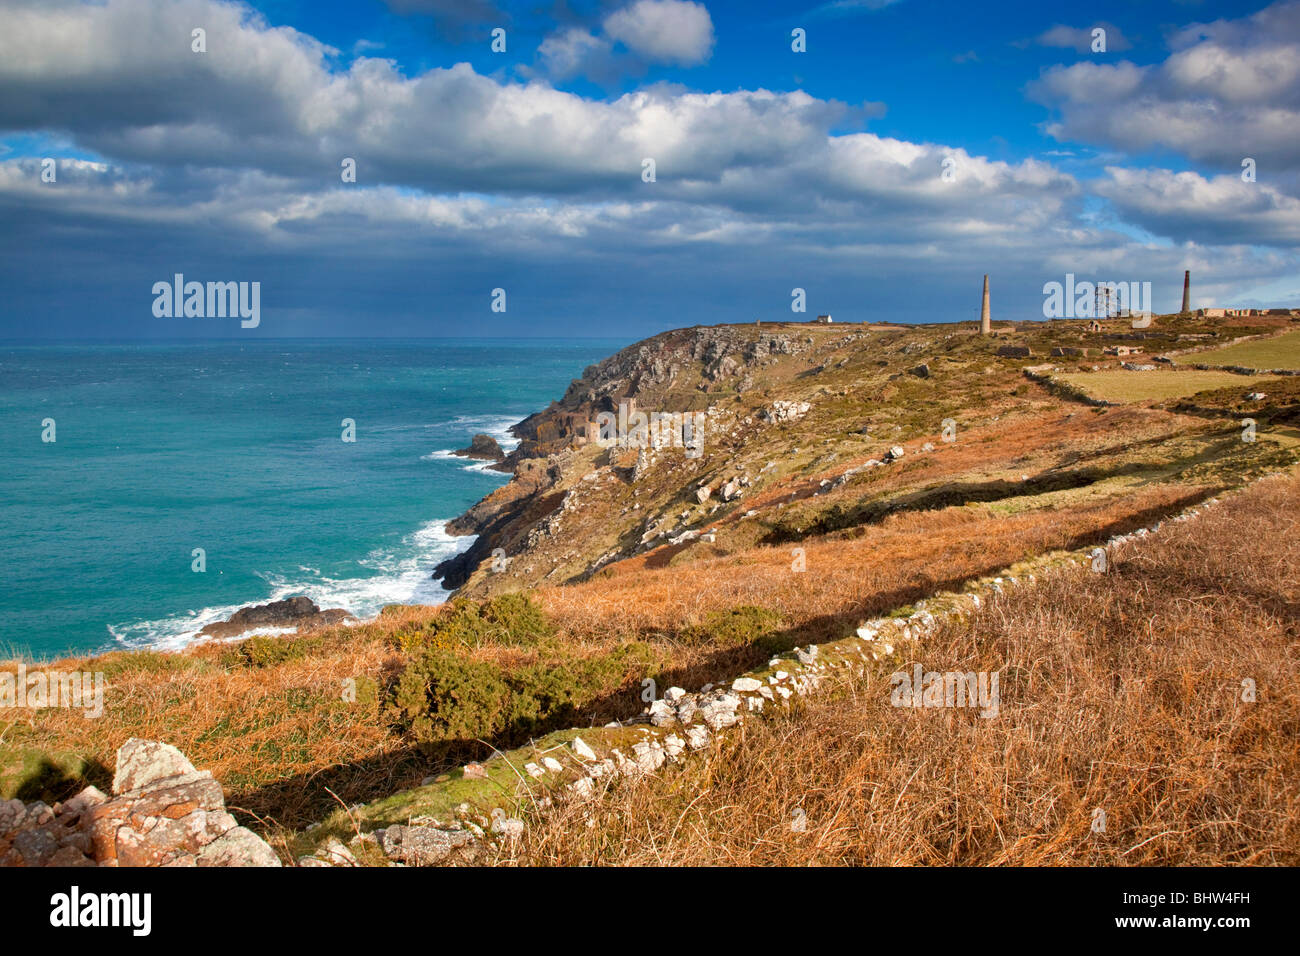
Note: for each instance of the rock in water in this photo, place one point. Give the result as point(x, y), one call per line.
point(297, 612)
point(482, 448)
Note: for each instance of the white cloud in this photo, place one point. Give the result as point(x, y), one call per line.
point(572, 51)
point(673, 31)
point(245, 141)
point(1230, 89)
point(1221, 209)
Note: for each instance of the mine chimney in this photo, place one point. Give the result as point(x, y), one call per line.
point(986, 326)
point(1187, 291)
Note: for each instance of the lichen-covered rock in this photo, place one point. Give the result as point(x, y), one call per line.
point(662, 713)
point(782, 411)
point(163, 813)
point(508, 827)
point(238, 846)
point(422, 846)
point(720, 711)
point(142, 762)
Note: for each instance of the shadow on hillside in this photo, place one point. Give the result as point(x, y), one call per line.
point(949, 495)
point(53, 782)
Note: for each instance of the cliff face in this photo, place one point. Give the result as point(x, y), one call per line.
point(723, 377)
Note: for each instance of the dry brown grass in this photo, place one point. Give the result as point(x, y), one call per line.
point(896, 562)
point(251, 726)
point(1120, 691)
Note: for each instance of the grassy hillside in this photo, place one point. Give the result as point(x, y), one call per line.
point(1282, 351)
point(1124, 385)
point(1121, 693)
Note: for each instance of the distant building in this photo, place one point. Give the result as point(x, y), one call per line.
point(1123, 350)
point(824, 319)
point(1094, 326)
point(1237, 313)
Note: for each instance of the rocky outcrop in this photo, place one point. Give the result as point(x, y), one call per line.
point(781, 411)
point(163, 812)
point(296, 612)
point(482, 448)
point(503, 518)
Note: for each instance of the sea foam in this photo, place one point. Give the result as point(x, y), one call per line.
point(401, 576)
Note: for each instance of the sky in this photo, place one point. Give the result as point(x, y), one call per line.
point(879, 155)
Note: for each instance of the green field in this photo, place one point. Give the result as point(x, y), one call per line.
point(1121, 385)
point(1280, 352)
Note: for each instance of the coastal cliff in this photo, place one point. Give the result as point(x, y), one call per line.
point(775, 406)
point(722, 376)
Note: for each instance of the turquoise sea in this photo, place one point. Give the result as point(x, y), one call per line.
point(236, 448)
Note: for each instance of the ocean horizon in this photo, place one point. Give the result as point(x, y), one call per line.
point(236, 447)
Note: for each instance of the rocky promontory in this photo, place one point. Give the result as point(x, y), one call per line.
point(719, 375)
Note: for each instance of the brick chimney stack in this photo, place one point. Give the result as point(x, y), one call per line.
point(986, 326)
point(1187, 291)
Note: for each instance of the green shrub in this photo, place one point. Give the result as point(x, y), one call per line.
point(268, 651)
point(441, 695)
point(444, 696)
point(735, 627)
point(510, 620)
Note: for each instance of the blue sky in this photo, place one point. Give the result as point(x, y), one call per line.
point(523, 170)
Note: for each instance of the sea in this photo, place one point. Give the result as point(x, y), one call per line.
point(149, 489)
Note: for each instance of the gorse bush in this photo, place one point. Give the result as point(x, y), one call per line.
point(510, 620)
point(441, 694)
point(737, 627)
point(448, 695)
point(269, 651)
